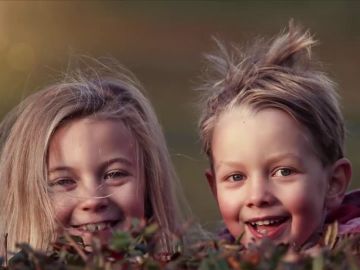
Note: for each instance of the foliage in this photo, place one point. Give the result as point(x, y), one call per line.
point(138, 249)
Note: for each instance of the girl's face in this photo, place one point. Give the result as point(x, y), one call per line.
point(266, 178)
point(95, 181)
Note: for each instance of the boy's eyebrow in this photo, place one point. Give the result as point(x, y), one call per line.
point(229, 163)
point(104, 164)
point(275, 158)
point(279, 157)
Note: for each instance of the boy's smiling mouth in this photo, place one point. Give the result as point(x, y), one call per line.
point(271, 227)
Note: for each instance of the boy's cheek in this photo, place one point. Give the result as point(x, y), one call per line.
point(230, 212)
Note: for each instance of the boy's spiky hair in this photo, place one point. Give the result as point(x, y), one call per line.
point(279, 73)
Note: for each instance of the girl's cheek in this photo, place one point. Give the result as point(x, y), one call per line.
point(63, 209)
point(130, 200)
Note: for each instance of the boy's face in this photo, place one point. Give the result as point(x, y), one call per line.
point(94, 179)
point(266, 178)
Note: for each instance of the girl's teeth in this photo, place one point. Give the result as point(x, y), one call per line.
point(93, 227)
point(90, 227)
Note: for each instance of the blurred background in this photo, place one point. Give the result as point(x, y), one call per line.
point(163, 43)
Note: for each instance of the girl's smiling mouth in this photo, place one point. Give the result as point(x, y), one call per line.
point(268, 227)
point(97, 226)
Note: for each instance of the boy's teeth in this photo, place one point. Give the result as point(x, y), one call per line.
point(265, 222)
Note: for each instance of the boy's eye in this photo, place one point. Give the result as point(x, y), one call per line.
point(283, 172)
point(236, 177)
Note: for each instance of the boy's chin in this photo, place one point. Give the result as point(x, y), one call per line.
point(286, 238)
point(249, 241)
point(277, 235)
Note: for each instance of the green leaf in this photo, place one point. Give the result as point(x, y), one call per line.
point(151, 230)
point(318, 263)
point(121, 241)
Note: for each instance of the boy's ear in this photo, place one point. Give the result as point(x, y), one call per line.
point(339, 179)
point(210, 176)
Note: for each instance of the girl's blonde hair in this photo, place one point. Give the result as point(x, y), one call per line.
point(26, 214)
point(279, 73)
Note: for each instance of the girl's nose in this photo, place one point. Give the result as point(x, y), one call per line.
point(95, 204)
point(259, 193)
point(94, 199)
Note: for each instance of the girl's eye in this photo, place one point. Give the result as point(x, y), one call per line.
point(62, 184)
point(116, 174)
point(236, 177)
point(283, 172)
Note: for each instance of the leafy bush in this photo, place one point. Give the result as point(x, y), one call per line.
point(136, 249)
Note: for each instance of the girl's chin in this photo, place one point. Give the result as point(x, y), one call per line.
point(88, 238)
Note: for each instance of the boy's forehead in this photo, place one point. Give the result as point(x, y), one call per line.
point(239, 115)
point(275, 127)
point(243, 109)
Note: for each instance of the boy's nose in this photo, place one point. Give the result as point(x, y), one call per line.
point(259, 193)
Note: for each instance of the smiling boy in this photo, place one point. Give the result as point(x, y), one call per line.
point(274, 135)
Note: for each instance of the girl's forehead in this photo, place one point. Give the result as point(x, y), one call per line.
point(97, 121)
point(93, 140)
point(102, 131)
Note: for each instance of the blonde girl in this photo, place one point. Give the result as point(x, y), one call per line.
point(86, 154)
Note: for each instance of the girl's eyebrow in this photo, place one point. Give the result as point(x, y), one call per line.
point(104, 164)
point(123, 160)
point(60, 168)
